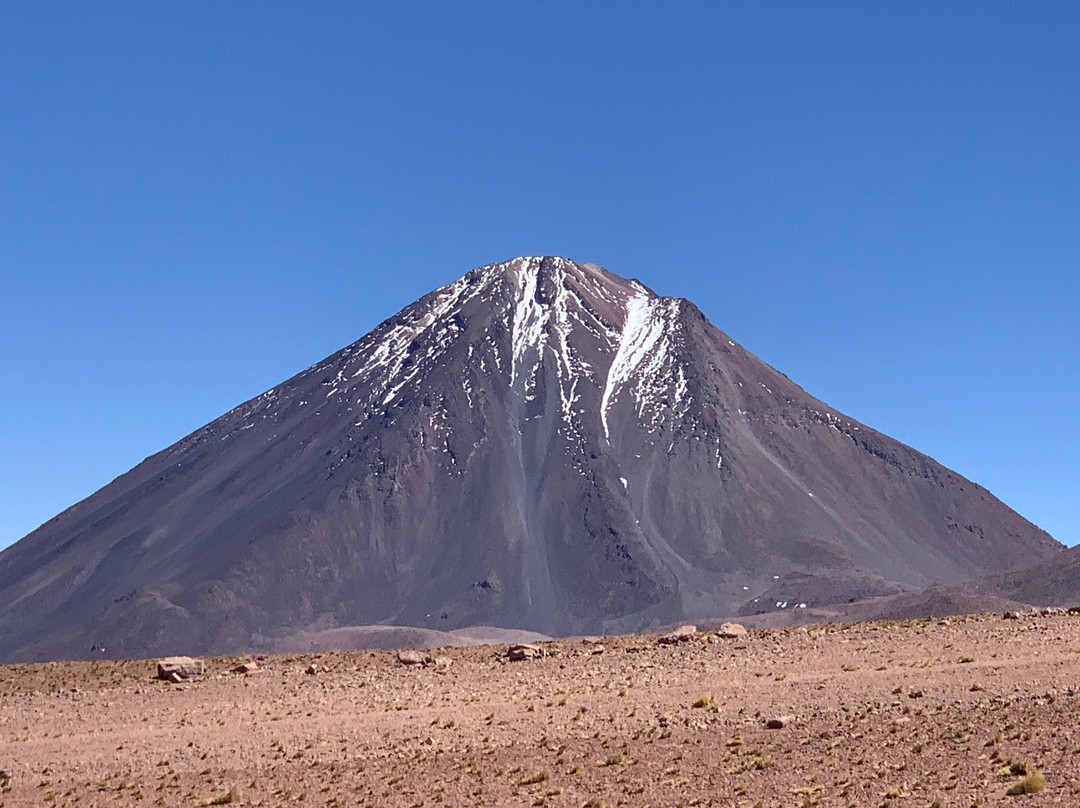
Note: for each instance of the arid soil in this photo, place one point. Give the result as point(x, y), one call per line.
point(918, 713)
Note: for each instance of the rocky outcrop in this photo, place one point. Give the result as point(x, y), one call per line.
point(179, 668)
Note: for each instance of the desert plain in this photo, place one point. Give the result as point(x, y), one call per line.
point(961, 711)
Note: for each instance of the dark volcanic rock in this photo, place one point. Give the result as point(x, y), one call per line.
point(539, 445)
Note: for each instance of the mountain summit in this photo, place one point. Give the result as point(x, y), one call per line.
point(539, 445)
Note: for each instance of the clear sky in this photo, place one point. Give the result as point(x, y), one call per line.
point(882, 200)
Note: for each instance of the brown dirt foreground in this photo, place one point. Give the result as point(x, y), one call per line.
point(918, 713)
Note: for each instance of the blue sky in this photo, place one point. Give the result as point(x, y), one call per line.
point(882, 200)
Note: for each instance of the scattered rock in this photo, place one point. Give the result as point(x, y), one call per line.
point(411, 657)
point(681, 634)
point(1011, 615)
point(533, 710)
point(1074, 610)
point(731, 631)
point(1050, 611)
point(417, 658)
point(312, 670)
point(780, 721)
point(245, 668)
point(179, 668)
point(521, 651)
point(915, 694)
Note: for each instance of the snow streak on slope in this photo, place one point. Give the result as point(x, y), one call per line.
point(386, 364)
point(645, 359)
point(552, 315)
point(655, 373)
point(530, 318)
point(574, 330)
point(547, 323)
point(640, 333)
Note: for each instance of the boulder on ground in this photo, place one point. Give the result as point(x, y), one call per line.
point(178, 668)
point(681, 634)
point(409, 657)
point(246, 667)
point(521, 651)
point(420, 659)
point(730, 631)
point(1017, 614)
point(780, 721)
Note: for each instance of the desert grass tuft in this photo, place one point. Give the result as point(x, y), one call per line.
point(1032, 784)
point(228, 798)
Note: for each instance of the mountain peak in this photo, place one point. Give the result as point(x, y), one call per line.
point(546, 277)
point(594, 328)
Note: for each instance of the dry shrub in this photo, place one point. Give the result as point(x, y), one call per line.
point(1032, 784)
point(233, 795)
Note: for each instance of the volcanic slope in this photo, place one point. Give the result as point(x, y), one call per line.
point(539, 445)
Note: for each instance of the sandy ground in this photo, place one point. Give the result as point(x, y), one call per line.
point(945, 712)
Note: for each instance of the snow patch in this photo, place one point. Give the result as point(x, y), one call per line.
point(640, 333)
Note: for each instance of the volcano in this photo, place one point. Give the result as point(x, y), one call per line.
point(540, 445)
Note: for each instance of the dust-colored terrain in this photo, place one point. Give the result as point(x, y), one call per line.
point(949, 712)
